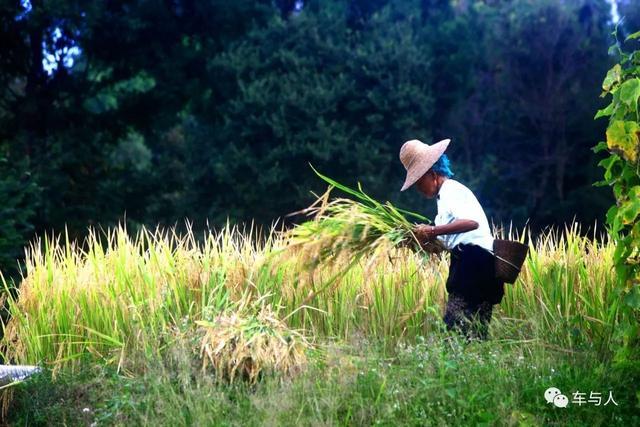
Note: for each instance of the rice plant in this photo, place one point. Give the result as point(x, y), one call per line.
point(355, 227)
point(565, 293)
point(116, 298)
point(116, 294)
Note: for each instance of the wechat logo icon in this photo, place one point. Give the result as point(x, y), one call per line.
point(555, 396)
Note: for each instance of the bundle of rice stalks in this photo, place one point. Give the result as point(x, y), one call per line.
point(354, 226)
point(246, 346)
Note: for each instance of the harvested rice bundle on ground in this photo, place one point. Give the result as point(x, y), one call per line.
point(354, 226)
point(245, 346)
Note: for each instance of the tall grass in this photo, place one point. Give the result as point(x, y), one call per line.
point(565, 293)
point(117, 297)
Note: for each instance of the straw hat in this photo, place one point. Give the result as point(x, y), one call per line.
point(418, 157)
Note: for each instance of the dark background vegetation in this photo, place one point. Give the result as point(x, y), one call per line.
point(207, 110)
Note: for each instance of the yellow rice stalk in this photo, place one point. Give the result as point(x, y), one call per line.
point(356, 228)
point(243, 346)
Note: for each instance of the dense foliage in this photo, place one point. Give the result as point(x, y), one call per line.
point(622, 173)
point(159, 110)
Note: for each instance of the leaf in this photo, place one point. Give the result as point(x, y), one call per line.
point(612, 166)
point(607, 111)
point(622, 138)
point(601, 146)
point(635, 232)
point(342, 187)
point(107, 338)
point(635, 35)
point(632, 299)
point(630, 92)
point(413, 214)
point(613, 76)
point(612, 214)
point(630, 209)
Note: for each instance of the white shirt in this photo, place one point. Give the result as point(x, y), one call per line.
point(456, 201)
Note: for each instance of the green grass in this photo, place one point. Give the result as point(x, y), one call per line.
point(434, 381)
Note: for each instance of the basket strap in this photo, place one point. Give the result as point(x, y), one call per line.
point(508, 262)
point(502, 259)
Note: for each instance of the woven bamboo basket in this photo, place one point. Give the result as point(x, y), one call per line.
point(510, 256)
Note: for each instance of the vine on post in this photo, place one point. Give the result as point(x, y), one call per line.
point(622, 173)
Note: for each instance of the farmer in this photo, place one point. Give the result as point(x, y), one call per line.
point(461, 225)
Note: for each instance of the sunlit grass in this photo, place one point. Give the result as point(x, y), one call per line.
point(115, 296)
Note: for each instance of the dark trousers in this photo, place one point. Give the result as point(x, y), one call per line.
point(473, 290)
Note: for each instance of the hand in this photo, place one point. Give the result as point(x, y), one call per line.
point(425, 232)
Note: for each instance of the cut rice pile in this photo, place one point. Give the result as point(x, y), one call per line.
point(242, 346)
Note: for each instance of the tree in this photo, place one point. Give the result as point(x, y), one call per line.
point(524, 129)
point(310, 90)
point(94, 131)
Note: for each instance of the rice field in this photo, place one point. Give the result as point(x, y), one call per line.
point(244, 311)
